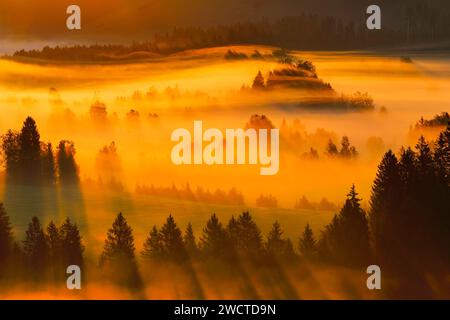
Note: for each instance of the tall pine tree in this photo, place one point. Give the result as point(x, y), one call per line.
point(118, 254)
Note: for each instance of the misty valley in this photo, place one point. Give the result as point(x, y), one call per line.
point(295, 157)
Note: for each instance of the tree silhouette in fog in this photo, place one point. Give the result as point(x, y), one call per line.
point(258, 82)
point(214, 242)
point(384, 208)
point(190, 243)
point(347, 150)
point(6, 237)
point(11, 148)
point(276, 245)
point(152, 248)
point(409, 207)
point(331, 150)
point(118, 258)
point(55, 251)
point(35, 248)
point(172, 241)
point(30, 150)
point(48, 164)
point(307, 245)
point(67, 167)
point(247, 238)
point(346, 239)
point(71, 244)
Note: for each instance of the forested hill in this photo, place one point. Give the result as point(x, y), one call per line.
point(302, 32)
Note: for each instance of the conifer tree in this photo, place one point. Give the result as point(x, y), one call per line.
point(71, 244)
point(233, 231)
point(67, 167)
point(118, 254)
point(275, 242)
point(214, 242)
point(152, 248)
point(189, 240)
point(249, 241)
point(48, 164)
point(35, 248)
point(172, 241)
point(258, 82)
point(348, 235)
point(11, 148)
point(384, 206)
point(276, 245)
point(307, 244)
point(54, 247)
point(30, 150)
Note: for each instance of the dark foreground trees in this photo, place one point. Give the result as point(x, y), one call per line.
point(118, 258)
point(407, 232)
point(410, 207)
point(45, 253)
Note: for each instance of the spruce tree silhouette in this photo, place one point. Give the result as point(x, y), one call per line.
point(190, 243)
point(48, 164)
point(67, 167)
point(384, 210)
point(11, 150)
point(214, 241)
point(152, 248)
point(55, 250)
point(71, 244)
point(276, 245)
point(172, 241)
point(233, 231)
point(307, 244)
point(30, 151)
point(118, 258)
point(6, 238)
point(36, 250)
point(249, 239)
point(258, 82)
point(347, 237)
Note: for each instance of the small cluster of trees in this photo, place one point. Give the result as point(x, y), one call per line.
point(232, 197)
point(44, 254)
point(267, 201)
point(438, 120)
point(347, 151)
point(241, 237)
point(305, 204)
point(29, 160)
point(302, 75)
point(298, 74)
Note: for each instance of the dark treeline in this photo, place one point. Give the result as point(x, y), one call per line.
point(406, 231)
point(219, 196)
point(43, 255)
point(28, 160)
point(421, 23)
point(441, 119)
